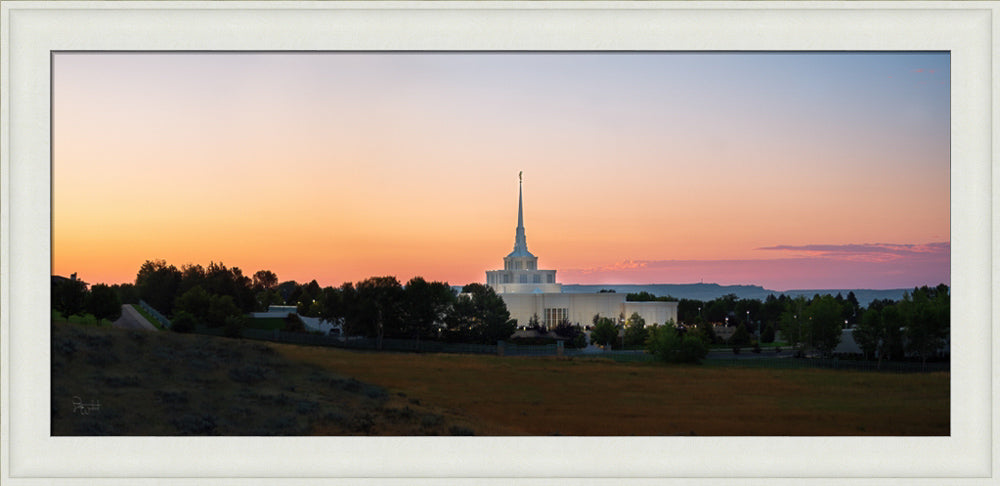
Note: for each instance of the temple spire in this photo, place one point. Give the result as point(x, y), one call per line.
point(520, 243)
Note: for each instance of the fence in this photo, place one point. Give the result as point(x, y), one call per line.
point(159, 317)
point(831, 363)
point(511, 349)
point(621, 356)
point(404, 345)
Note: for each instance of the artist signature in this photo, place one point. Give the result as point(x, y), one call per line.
point(85, 408)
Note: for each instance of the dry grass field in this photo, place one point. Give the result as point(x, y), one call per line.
point(545, 396)
point(161, 383)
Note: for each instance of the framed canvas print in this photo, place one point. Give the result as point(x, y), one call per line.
point(495, 241)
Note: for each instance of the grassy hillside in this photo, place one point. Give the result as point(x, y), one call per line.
point(152, 383)
point(162, 383)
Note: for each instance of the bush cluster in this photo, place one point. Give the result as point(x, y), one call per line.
point(667, 344)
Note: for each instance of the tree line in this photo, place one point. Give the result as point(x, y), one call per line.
point(383, 307)
point(377, 307)
point(917, 325)
point(72, 296)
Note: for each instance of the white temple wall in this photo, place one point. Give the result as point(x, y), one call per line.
point(580, 308)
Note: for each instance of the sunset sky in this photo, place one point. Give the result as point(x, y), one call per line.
point(786, 170)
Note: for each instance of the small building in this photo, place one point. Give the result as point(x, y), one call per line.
point(311, 323)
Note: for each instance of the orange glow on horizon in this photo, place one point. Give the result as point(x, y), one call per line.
point(324, 167)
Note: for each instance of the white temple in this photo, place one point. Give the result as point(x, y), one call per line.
point(520, 274)
point(528, 291)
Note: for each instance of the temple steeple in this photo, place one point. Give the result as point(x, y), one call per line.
point(520, 258)
point(520, 272)
point(520, 242)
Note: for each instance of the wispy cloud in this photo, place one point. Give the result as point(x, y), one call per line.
point(869, 252)
point(869, 265)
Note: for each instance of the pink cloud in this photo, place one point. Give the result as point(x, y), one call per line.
point(876, 266)
point(870, 252)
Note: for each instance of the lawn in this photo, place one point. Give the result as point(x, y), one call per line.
point(149, 317)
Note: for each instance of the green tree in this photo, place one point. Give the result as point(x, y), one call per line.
point(573, 334)
point(219, 308)
point(289, 291)
point(267, 298)
point(667, 344)
point(635, 330)
point(426, 305)
point(926, 313)
point(768, 335)
point(604, 332)
point(126, 293)
point(195, 301)
point(192, 275)
point(689, 310)
point(158, 283)
point(824, 324)
point(740, 337)
point(480, 315)
point(380, 309)
point(220, 280)
point(343, 304)
point(264, 280)
point(792, 319)
point(892, 321)
point(310, 294)
point(102, 301)
point(870, 335)
point(706, 332)
point(68, 295)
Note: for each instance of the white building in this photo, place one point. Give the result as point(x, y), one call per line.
point(528, 291)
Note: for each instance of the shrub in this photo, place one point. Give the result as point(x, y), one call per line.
point(183, 322)
point(740, 337)
point(234, 326)
point(768, 335)
point(294, 324)
point(669, 346)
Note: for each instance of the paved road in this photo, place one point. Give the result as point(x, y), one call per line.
point(132, 319)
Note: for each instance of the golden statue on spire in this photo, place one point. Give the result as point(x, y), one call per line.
point(519, 176)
